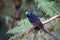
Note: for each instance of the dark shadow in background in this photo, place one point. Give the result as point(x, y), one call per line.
point(3, 30)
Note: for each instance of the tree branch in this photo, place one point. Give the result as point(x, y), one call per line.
point(20, 35)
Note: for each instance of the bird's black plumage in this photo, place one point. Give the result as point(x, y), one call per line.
point(34, 20)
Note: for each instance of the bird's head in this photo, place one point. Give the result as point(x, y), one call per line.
point(28, 14)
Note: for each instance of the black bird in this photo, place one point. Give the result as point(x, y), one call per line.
point(35, 21)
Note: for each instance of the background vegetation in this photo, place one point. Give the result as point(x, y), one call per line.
point(13, 19)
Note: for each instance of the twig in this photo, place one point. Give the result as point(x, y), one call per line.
point(20, 35)
point(50, 19)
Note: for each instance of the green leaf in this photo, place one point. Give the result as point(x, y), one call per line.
point(22, 26)
point(49, 7)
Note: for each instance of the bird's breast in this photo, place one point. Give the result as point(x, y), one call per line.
point(34, 20)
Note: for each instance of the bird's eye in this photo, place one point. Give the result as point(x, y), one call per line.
point(29, 13)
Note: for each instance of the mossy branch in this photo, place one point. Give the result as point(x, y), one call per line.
point(20, 35)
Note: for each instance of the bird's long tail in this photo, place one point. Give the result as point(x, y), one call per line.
point(50, 34)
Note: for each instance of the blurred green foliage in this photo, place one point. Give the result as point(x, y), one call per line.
point(41, 8)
